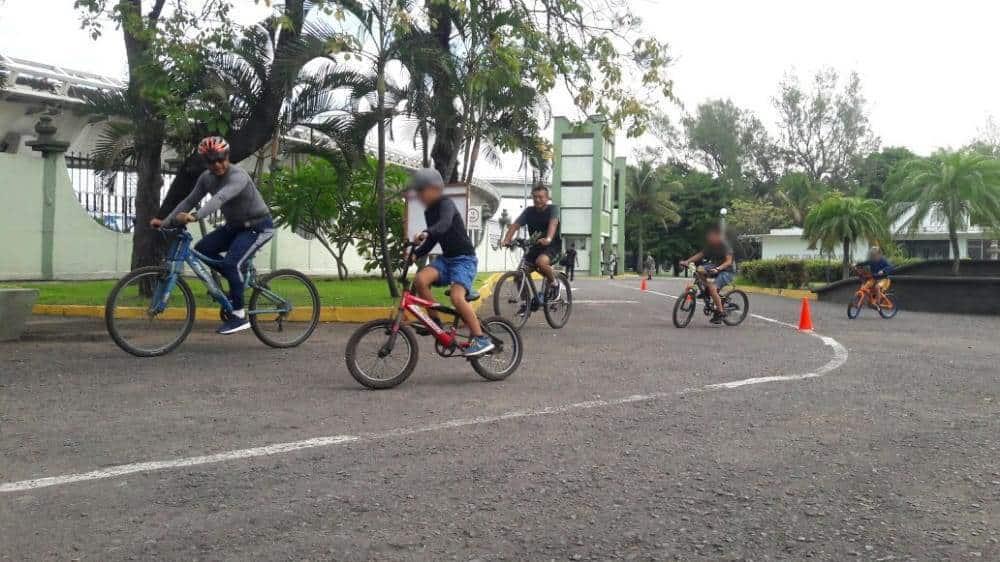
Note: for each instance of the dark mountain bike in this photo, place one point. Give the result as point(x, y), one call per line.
point(734, 302)
point(516, 296)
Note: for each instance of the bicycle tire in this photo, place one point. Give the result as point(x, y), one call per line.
point(493, 326)
point(854, 307)
point(744, 307)
point(314, 313)
point(567, 301)
point(385, 325)
point(110, 321)
point(518, 320)
point(891, 313)
point(684, 309)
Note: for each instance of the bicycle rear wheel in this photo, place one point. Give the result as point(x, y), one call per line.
point(737, 306)
point(557, 312)
point(500, 363)
point(379, 360)
point(284, 308)
point(146, 316)
point(511, 298)
point(684, 308)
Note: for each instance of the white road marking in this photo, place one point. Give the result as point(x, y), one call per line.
point(839, 358)
point(604, 302)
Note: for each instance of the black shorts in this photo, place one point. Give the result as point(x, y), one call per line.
point(552, 250)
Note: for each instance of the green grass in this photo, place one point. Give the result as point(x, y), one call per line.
point(365, 291)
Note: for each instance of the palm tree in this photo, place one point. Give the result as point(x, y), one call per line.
point(957, 188)
point(844, 220)
point(797, 193)
point(647, 200)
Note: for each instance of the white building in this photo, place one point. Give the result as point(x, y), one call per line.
point(929, 241)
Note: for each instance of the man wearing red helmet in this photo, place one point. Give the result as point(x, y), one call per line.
point(248, 221)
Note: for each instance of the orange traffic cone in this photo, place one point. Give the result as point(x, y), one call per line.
point(642, 286)
point(805, 318)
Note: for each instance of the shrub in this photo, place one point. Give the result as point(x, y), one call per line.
point(795, 274)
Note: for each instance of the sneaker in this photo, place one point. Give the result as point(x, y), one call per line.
point(536, 302)
point(479, 346)
point(553, 292)
point(233, 325)
point(717, 318)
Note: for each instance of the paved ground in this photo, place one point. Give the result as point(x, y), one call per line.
point(607, 444)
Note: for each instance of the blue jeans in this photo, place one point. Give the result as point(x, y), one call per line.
point(238, 243)
point(459, 270)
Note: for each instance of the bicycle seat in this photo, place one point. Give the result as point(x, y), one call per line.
point(470, 296)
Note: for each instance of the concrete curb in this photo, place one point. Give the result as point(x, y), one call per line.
point(796, 294)
point(350, 314)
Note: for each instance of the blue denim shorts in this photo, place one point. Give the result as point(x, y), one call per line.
point(723, 278)
point(459, 269)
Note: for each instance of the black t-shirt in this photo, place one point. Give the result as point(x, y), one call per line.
point(446, 227)
point(537, 221)
point(715, 255)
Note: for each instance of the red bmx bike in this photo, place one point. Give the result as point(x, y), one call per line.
point(383, 353)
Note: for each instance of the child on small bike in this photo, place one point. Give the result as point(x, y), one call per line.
point(457, 264)
point(880, 269)
point(717, 269)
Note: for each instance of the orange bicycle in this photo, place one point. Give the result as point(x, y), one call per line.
point(869, 295)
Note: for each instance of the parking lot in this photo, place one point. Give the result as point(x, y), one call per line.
point(620, 437)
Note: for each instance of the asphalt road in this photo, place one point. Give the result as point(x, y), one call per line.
point(614, 440)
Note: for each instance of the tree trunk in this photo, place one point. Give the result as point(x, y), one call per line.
point(846, 271)
point(956, 258)
point(447, 134)
point(148, 246)
point(383, 229)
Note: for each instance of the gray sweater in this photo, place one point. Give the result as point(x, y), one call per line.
point(234, 193)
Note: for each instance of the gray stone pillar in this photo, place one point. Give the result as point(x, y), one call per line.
point(51, 150)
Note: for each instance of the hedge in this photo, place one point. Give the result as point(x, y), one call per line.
point(796, 274)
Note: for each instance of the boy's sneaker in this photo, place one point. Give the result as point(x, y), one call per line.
point(233, 325)
point(479, 346)
point(717, 317)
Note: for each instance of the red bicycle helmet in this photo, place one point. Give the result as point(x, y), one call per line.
point(213, 148)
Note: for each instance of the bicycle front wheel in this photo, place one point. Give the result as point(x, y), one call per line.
point(887, 308)
point(854, 307)
point(511, 298)
point(149, 313)
point(284, 308)
point(684, 309)
point(500, 363)
point(557, 312)
point(379, 359)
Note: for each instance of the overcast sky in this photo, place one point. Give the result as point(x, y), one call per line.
point(927, 68)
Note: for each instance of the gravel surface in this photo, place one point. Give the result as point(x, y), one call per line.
point(892, 456)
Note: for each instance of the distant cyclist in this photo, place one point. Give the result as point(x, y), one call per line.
point(542, 219)
point(717, 266)
point(880, 269)
point(248, 221)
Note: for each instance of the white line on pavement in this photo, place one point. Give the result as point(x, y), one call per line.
point(839, 358)
point(604, 302)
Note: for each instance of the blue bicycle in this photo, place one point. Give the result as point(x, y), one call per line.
point(152, 309)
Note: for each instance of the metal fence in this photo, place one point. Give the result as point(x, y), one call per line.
point(107, 196)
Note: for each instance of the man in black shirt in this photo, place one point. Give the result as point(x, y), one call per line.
point(542, 219)
point(457, 264)
point(717, 267)
point(570, 261)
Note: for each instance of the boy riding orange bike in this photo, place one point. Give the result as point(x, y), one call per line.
point(880, 269)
